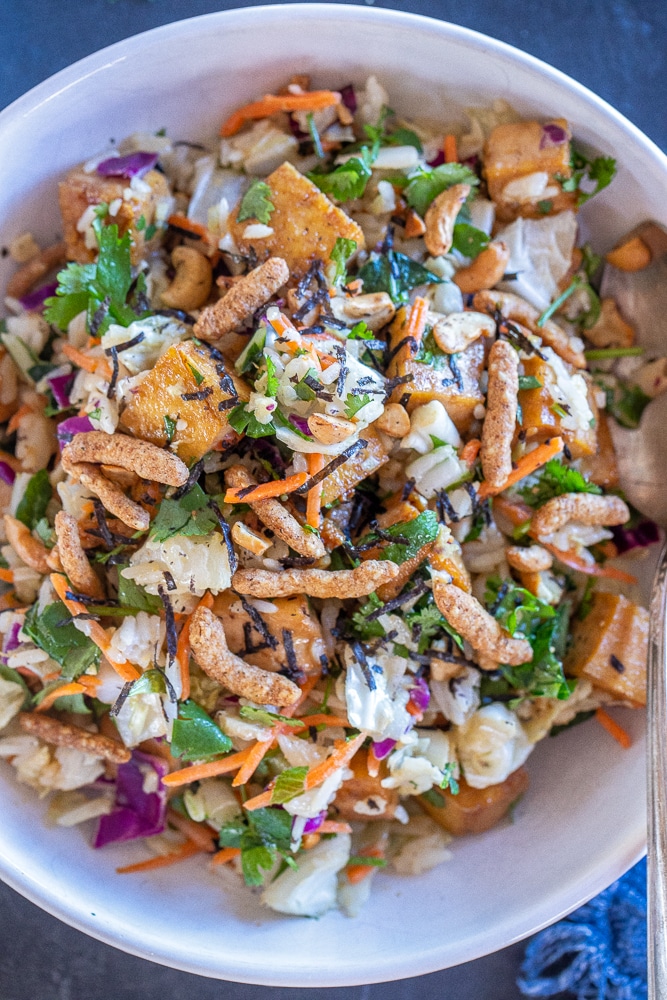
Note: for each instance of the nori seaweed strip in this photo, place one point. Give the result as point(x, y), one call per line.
point(101, 518)
point(227, 404)
point(169, 580)
point(121, 699)
point(388, 241)
point(199, 394)
point(405, 399)
point(80, 616)
point(513, 332)
point(115, 539)
point(396, 602)
point(339, 352)
point(304, 331)
point(474, 499)
point(195, 473)
point(100, 315)
point(258, 622)
point(456, 372)
point(293, 672)
point(499, 597)
point(126, 344)
point(226, 534)
point(393, 383)
point(297, 562)
point(250, 646)
point(394, 351)
point(360, 657)
point(616, 664)
point(226, 384)
point(408, 487)
point(113, 351)
point(486, 511)
point(330, 467)
point(366, 390)
point(445, 508)
point(566, 450)
point(191, 235)
point(317, 388)
point(85, 599)
point(170, 622)
point(439, 654)
point(180, 314)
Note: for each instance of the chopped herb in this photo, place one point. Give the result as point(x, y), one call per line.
point(365, 859)
point(272, 381)
point(599, 354)
point(553, 480)
point(197, 375)
point(545, 206)
point(169, 427)
point(626, 404)
point(529, 382)
point(599, 172)
point(266, 718)
point(243, 420)
point(341, 253)
point(32, 505)
point(348, 180)
point(289, 784)
point(252, 354)
point(132, 595)
point(359, 623)
point(256, 203)
point(189, 515)
point(469, 240)
point(576, 721)
point(54, 631)
point(196, 736)
point(430, 354)
point(434, 798)
point(586, 603)
point(355, 403)
point(426, 184)
point(407, 538)
point(576, 283)
point(396, 274)
point(262, 835)
point(449, 782)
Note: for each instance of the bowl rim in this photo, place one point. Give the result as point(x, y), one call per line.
point(19, 877)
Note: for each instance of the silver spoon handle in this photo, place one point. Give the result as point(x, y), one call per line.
point(657, 786)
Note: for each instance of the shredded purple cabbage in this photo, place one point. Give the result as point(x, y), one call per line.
point(315, 823)
point(34, 301)
point(383, 748)
point(7, 474)
point(349, 97)
point(420, 694)
point(134, 165)
point(73, 425)
point(301, 424)
point(263, 448)
point(12, 642)
point(645, 533)
point(437, 160)
point(298, 133)
point(552, 135)
point(137, 813)
point(60, 387)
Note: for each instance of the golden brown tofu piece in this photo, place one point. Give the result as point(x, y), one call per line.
point(475, 810)
point(602, 467)
point(518, 150)
point(293, 616)
point(185, 369)
point(79, 190)
point(459, 396)
point(610, 646)
point(540, 417)
point(305, 223)
point(362, 796)
point(365, 463)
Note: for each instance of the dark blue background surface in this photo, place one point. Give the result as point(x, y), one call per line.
point(618, 48)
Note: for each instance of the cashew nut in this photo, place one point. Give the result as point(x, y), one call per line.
point(610, 330)
point(457, 331)
point(394, 421)
point(330, 430)
point(486, 270)
point(440, 219)
point(632, 255)
point(191, 286)
point(375, 309)
point(23, 280)
point(517, 310)
point(29, 549)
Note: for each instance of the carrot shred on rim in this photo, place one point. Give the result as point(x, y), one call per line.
point(266, 491)
point(197, 772)
point(259, 801)
point(314, 496)
point(357, 873)
point(182, 222)
point(163, 860)
point(470, 451)
point(525, 466)
point(450, 149)
point(575, 561)
point(198, 833)
point(60, 692)
point(7, 575)
point(255, 756)
point(334, 826)
point(323, 720)
point(613, 728)
point(79, 358)
point(225, 855)
point(95, 632)
point(183, 647)
point(271, 104)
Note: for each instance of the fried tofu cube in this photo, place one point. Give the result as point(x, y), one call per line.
point(80, 190)
point(540, 417)
point(524, 168)
point(362, 796)
point(305, 223)
point(610, 647)
point(475, 810)
point(602, 467)
point(178, 388)
point(455, 384)
point(292, 615)
point(364, 463)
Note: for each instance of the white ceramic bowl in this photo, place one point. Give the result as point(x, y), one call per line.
point(581, 825)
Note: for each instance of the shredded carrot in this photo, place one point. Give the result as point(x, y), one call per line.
point(271, 104)
point(323, 720)
point(470, 451)
point(613, 728)
point(182, 222)
point(372, 763)
point(412, 709)
point(525, 466)
point(266, 490)
point(258, 801)
point(514, 510)
point(198, 833)
point(59, 692)
point(197, 772)
point(183, 647)
point(255, 756)
point(414, 225)
point(162, 860)
point(356, 285)
point(310, 840)
point(357, 873)
point(314, 496)
point(17, 417)
point(7, 575)
point(225, 855)
point(96, 633)
point(449, 149)
point(575, 561)
point(282, 325)
point(306, 687)
point(343, 753)
point(333, 826)
point(85, 361)
point(417, 320)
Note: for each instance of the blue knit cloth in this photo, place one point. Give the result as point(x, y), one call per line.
point(597, 953)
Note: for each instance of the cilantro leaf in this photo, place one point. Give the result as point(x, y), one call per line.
point(411, 537)
point(430, 354)
point(598, 172)
point(196, 736)
point(427, 622)
point(289, 784)
point(341, 253)
point(190, 515)
point(241, 419)
point(355, 403)
point(359, 623)
point(360, 332)
point(267, 718)
point(553, 480)
point(32, 505)
point(626, 405)
point(131, 595)
point(348, 180)
point(396, 274)
point(469, 240)
point(256, 203)
point(54, 631)
point(272, 381)
point(529, 382)
point(427, 184)
point(169, 427)
point(262, 837)
point(404, 137)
